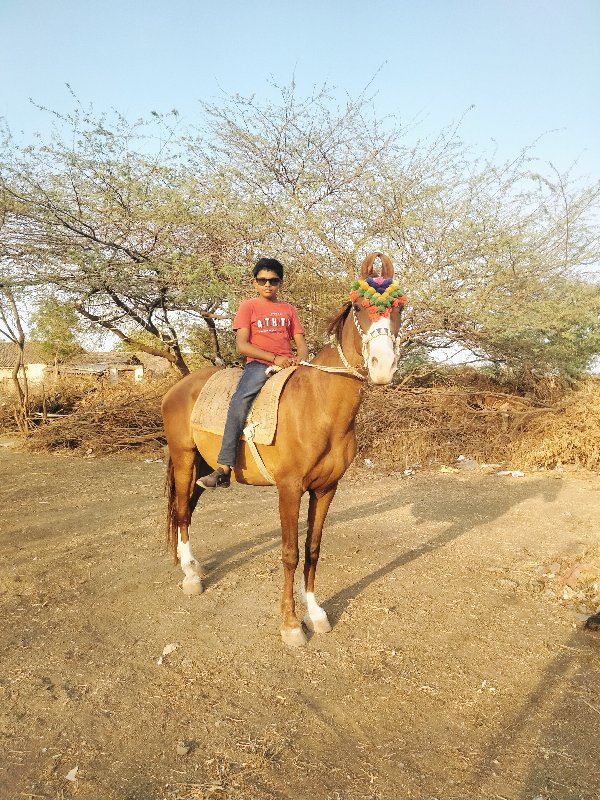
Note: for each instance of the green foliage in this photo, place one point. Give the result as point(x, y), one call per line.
point(199, 342)
point(56, 326)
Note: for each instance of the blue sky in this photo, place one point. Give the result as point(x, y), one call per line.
point(530, 68)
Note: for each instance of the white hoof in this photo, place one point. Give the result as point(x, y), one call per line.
point(192, 585)
point(317, 624)
point(293, 637)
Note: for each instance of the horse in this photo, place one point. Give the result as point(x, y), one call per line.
point(314, 444)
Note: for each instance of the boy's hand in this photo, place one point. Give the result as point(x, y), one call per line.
point(284, 361)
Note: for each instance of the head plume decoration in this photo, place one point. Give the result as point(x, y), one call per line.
point(379, 294)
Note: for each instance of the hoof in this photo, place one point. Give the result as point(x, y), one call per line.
point(293, 637)
point(317, 625)
point(192, 585)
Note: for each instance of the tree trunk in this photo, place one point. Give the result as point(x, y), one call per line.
point(214, 340)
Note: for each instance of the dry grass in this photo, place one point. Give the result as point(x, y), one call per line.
point(570, 437)
point(398, 426)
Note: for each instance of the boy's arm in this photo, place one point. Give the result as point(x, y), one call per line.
point(301, 348)
point(246, 348)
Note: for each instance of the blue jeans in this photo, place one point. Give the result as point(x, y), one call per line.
point(252, 380)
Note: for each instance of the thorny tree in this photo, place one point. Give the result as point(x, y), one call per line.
point(150, 227)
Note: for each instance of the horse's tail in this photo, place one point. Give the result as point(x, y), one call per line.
point(171, 509)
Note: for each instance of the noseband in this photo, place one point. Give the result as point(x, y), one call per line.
point(368, 336)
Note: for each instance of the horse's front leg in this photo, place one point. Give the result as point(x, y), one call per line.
point(320, 500)
point(289, 508)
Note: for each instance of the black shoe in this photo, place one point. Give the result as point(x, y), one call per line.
point(216, 480)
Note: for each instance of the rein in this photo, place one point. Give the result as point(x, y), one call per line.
point(348, 369)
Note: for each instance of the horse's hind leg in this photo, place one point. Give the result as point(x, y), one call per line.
point(186, 497)
point(316, 617)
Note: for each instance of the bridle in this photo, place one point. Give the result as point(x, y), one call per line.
point(368, 336)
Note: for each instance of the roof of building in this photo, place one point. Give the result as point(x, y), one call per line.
point(9, 354)
point(111, 359)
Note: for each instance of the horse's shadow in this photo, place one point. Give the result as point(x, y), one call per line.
point(437, 507)
point(554, 719)
point(440, 507)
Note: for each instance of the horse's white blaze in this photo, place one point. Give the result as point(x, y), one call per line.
point(186, 558)
point(382, 361)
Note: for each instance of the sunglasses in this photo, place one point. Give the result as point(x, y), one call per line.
point(270, 281)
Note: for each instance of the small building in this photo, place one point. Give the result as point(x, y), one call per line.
point(112, 365)
point(36, 363)
point(115, 365)
point(157, 366)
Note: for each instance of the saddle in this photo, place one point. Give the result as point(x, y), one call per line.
point(210, 409)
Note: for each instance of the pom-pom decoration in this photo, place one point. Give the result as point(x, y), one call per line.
point(378, 295)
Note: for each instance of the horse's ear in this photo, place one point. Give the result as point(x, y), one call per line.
point(387, 268)
point(366, 268)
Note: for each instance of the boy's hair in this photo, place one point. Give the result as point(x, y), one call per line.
point(268, 263)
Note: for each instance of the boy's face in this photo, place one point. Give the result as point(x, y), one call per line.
point(267, 284)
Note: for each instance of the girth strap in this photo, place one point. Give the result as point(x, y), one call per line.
point(249, 430)
point(249, 434)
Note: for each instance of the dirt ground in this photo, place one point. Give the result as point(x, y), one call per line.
point(454, 669)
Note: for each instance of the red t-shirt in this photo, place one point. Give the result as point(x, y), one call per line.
point(272, 325)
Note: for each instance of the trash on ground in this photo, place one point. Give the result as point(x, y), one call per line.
point(170, 648)
point(466, 463)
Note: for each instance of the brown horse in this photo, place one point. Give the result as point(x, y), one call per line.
point(314, 445)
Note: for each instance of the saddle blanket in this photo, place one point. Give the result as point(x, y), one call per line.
point(210, 409)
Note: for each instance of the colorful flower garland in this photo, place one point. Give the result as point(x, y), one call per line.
point(378, 295)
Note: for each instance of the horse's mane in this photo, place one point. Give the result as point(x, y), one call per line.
point(335, 325)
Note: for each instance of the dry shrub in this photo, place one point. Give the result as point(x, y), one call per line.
point(103, 418)
point(399, 426)
point(569, 437)
point(52, 397)
point(8, 405)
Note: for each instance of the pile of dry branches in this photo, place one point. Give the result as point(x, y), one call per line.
point(105, 419)
point(399, 426)
point(569, 437)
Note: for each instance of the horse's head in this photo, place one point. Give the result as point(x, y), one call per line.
point(376, 308)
